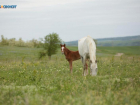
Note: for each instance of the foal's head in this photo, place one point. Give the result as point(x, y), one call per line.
point(62, 48)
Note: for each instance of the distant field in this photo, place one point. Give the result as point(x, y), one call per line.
point(27, 80)
point(128, 50)
point(116, 41)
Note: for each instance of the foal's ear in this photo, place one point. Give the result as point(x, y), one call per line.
point(64, 45)
point(61, 45)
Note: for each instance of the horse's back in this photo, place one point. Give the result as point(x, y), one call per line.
point(84, 45)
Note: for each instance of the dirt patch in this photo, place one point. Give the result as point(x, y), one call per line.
point(119, 54)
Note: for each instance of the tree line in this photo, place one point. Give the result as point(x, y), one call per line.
point(50, 44)
point(20, 43)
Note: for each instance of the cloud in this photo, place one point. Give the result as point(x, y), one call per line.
point(75, 18)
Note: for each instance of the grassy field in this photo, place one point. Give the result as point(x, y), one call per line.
point(27, 80)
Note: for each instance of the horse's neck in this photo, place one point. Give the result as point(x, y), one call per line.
point(92, 52)
point(66, 52)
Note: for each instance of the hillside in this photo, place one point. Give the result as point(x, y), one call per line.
point(116, 41)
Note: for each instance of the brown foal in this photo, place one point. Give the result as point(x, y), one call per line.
point(70, 56)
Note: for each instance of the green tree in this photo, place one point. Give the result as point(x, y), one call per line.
point(12, 41)
point(4, 41)
point(51, 43)
point(21, 42)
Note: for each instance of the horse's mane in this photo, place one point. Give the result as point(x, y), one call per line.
point(66, 51)
point(92, 48)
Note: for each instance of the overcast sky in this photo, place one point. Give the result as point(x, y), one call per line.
point(71, 19)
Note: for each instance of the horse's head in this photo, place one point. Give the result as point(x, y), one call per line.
point(62, 48)
point(93, 67)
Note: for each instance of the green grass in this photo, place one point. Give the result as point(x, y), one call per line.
point(130, 50)
point(25, 79)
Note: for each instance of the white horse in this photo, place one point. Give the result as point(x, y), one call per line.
point(87, 50)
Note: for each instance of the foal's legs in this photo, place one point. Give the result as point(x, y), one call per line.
point(70, 64)
point(86, 68)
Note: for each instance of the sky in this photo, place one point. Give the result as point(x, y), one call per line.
point(70, 19)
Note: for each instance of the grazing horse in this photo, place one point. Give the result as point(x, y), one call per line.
point(87, 50)
point(70, 55)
